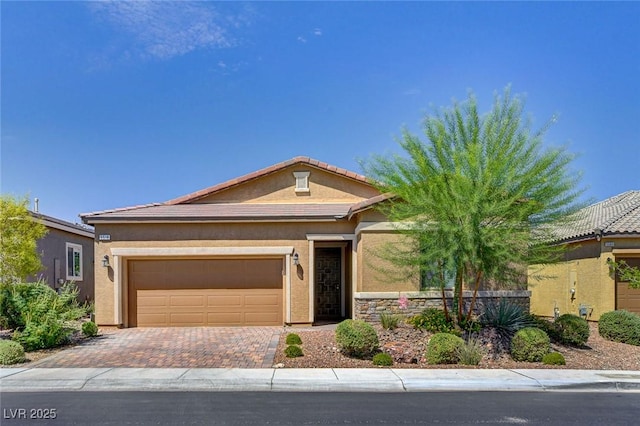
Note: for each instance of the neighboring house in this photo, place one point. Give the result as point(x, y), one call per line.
point(66, 252)
point(288, 244)
point(583, 284)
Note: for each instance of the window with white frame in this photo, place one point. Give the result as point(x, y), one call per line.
point(74, 262)
point(302, 181)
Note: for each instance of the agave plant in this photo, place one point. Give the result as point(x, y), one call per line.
point(507, 318)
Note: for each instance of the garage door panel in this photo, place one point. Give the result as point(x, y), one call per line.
point(265, 300)
point(225, 318)
point(158, 319)
point(190, 301)
point(224, 301)
point(186, 318)
point(153, 301)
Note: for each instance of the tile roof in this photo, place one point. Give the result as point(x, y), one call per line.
point(183, 210)
point(229, 211)
point(369, 202)
point(63, 225)
point(615, 215)
point(263, 172)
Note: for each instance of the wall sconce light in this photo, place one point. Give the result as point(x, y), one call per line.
point(105, 261)
point(572, 291)
point(296, 259)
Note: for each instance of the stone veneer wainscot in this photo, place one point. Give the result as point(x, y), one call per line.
point(369, 306)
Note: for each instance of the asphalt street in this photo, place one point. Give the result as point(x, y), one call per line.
point(317, 408)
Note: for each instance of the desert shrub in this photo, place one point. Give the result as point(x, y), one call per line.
point(89, 329)
point(389, 321)
point(38, 314)
point(572, 330)
point(11, 352)
point(548, 326)
point(530, 344)
point(34, 300)
point(382, 359)
point(293, 351)
point(507, 318)
point(293, 339)
point(43, 332)
point(470, 353)
point(443, 348)
point(553, 358)
point(620, 326)
point(356, 338)
point(433, 320)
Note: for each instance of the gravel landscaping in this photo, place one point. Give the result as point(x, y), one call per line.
point(407, 346)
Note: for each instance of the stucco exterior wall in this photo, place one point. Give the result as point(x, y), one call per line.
point(376, 274)
point(279, 187)
point(53, 246)
point(586, 272)
point(211, 235)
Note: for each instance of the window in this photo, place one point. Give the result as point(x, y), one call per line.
point(74, 262)
point(302, 181)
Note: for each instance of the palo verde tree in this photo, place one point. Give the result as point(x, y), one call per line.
point(19, 233)
point(475, 199)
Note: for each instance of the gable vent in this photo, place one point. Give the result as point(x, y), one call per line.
point(302, 181)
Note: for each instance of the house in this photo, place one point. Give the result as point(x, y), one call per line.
point(289, 244)
point(583, 283)
point(66, 253)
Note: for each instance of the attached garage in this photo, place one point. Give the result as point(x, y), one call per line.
point(628, 298)
point(205, 292)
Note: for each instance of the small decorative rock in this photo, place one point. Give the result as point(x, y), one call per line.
point(278, 365)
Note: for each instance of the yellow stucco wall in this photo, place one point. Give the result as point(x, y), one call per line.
point(585, 270)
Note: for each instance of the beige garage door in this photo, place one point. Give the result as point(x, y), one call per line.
point(205, 292)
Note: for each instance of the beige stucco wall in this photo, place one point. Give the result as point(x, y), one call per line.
point(375, 274)
point(585, 270)
point(279, 187)
point(210, 235)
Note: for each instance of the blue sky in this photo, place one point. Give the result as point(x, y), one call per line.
point(111, 104)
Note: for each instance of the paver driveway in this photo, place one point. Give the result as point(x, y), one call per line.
point(188, 347)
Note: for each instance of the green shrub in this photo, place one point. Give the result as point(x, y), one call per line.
point(389, 321)
point(553, 358)
point(293, 339)
point(470, 353)
point(11, 352)
point(38, 314)
point(382, 359)
point(45, 332)
point(507, 318)
point(572, 330)
point(433, 320)
point(35, 300)
point(620, 326)
point(89, 329)
point(356, 338)
point(293, 351)
point(530, 344)
point(548, 326)
point(443, 348)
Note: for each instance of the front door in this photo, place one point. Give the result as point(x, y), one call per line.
point(328, 283)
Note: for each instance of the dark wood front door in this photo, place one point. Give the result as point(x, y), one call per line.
point(328, 283)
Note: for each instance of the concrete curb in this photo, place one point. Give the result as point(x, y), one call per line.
point(314, 380)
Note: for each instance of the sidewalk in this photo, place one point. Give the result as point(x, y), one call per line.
point(313, 380)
